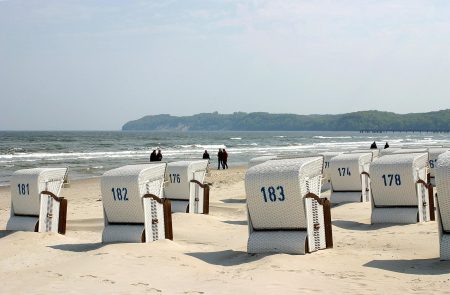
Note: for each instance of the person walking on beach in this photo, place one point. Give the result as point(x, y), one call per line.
point(373, 146)
point(159, 155)
point(224, 159)
point(153, 156)
point(386, 145)
point(219, 159)
point(205, 155)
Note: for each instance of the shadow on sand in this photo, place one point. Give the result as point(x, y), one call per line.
point(354, 225)
point(227, 257)
point(234, 201)
point(78, 247)
point(431, 266)
point(5, 233)
point(236, 222)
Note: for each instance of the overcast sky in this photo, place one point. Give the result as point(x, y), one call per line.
point(94, 65)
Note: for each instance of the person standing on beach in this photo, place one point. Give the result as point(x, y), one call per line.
point(219, 159)
point(153, 156)
point(205, 155)
point(373, 146)
point(159, 155)
point(224, 159)
point(386, 145)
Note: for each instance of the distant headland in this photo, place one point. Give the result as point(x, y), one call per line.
point(367, 121)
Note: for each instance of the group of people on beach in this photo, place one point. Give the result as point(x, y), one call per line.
point(373, 146)
point(156, 156)
point(222, 158)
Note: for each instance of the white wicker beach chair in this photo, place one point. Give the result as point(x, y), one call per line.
point(433, 154)
point(285, 211)
point(259, 160)
point(443, 203)
point(326, 180)
point(186, 188)
point(350, 180)
point(400, 192)
point(134, 210)
point(410, 150)
point(35, 202)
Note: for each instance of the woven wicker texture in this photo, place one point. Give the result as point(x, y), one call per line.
point(288, 178)
point(259, 160)
point(394, 215)
point(383, 172)
point(115, 233)
point(24, 223)
point(180, 174)
point(443, 189)
point(281, 222)
point(122, 190)
point(290, 242)
point(394, 184)
point(410, 151)
point(347, 182)
point(326, 164)
point(444, 237)
point(389, 151)
point(154, 220)
point(26, 199)
point(433, 154)
point(375, 152)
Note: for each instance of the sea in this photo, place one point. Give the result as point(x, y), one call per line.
point(91, 153)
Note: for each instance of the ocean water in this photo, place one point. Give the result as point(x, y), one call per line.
point(91, 153)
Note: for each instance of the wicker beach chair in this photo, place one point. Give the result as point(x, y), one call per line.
point(433, 154)
point(134, 210)
point(285, 211)
point(443, 203)
point(259, 160)
point(399, 188)
point(35, 202)
point(350, 180)
point(186, 189)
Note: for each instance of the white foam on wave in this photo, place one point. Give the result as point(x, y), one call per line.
point(236, 138)
point(332, 137)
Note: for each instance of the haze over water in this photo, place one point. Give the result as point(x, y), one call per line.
point(91, 153)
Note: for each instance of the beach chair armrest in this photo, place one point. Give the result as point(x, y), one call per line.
point(326, 217)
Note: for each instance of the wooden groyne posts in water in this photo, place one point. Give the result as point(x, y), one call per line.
point(401, 131)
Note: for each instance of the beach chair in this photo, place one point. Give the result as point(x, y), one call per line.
point(399, 188)
point(442, 170)
point(35, 201)
point(133, 207)
point(350, 180)
point(433, 154)
point(259, 160)
point(186, 188)
point(326, 179)
point(284, 208)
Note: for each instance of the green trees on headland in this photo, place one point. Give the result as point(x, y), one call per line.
point(239, 121)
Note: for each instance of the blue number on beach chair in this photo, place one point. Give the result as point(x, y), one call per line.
point(120, 194)
point(24, 189)
point(432, 163)
point(174, 178)
point(344, 172)
point(273, 195)
point(391, 179)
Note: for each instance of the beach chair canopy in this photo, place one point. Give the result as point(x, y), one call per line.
point(281, 217)
point(179, 176)
point(29, 205)
point(443, 203)
point(122, 190)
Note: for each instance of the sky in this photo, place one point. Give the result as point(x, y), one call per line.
point(94, 65)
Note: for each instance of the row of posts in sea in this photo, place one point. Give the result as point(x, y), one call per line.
point(402, 131)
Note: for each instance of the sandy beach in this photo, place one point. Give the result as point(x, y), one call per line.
point(208, 254)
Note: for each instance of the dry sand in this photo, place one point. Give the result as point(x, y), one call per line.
point(208, 254)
